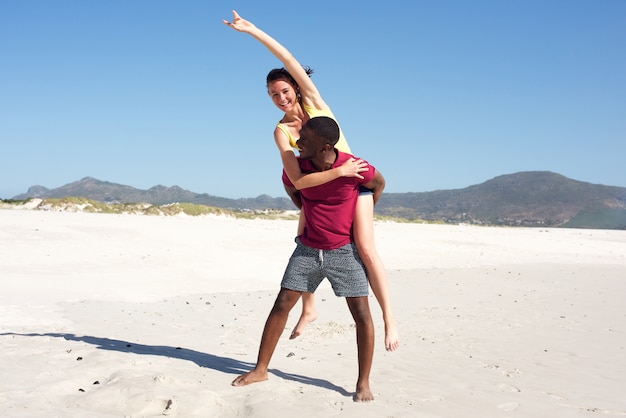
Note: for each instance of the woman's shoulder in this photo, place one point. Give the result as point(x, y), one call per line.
point(283, 136)
point(314, 111)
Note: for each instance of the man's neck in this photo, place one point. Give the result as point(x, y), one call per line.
point(325, 161)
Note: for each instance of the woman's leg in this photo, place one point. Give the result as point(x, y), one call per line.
point(364, 240)
point(309, 313)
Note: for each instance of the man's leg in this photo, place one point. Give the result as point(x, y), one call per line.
point(360, 310)
point(274, 327)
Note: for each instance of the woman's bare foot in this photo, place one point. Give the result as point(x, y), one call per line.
point(363, 394)
point(392, 340)
point(252, 376)
point(305, 318)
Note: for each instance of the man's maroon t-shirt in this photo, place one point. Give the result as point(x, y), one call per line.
point(329, 208)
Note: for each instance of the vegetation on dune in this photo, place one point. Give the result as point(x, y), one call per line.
point(80, 204)
point(604, 218)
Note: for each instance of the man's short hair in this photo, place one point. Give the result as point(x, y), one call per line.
point(325, 127)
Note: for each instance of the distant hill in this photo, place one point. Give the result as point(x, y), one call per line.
point(104, 191)
point(535, 198)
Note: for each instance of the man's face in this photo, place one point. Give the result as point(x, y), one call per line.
point(309, 144)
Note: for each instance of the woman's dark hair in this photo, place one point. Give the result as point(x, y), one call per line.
point(282, 74)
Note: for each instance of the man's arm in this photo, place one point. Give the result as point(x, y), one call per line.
point(377, 185)
point(294, 194)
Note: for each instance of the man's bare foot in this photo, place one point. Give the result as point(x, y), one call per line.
point(252, 376)
point(363, 394)
point(305, 319)
point(392, 341)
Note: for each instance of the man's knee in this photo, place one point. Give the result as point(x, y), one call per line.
point(286, 300)
point(359, 307)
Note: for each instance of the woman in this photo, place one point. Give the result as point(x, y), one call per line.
point(293, 92)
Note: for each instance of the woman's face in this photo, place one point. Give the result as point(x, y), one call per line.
point(283, 95)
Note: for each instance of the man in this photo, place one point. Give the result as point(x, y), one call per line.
point(325, 249)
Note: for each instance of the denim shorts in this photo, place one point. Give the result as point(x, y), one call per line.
point(342, 267)
point(364, 191)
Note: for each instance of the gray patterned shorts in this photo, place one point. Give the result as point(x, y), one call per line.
point(342, 267)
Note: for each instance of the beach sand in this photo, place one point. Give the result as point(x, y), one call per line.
point(145, 316)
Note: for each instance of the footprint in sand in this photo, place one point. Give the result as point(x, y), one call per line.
point(433, 398)
point(509, 406)
point(552, 395)
point(511, 373)
point(505, 387)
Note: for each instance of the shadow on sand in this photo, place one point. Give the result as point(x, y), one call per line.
point(218, 363)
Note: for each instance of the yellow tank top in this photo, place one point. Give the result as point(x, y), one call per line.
point(342, 144)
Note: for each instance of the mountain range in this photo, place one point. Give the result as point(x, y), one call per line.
point(532, 198)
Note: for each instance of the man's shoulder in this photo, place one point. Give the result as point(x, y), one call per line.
point(367, 175)
point(342, 157)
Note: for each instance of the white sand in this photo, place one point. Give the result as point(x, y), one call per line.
point(135, 316)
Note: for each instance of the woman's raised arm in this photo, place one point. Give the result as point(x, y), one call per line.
point(308, 91)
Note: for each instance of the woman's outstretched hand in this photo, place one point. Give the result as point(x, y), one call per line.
point(352, 168)
point(239, 24)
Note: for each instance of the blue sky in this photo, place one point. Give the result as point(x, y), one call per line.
point(436, 94)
